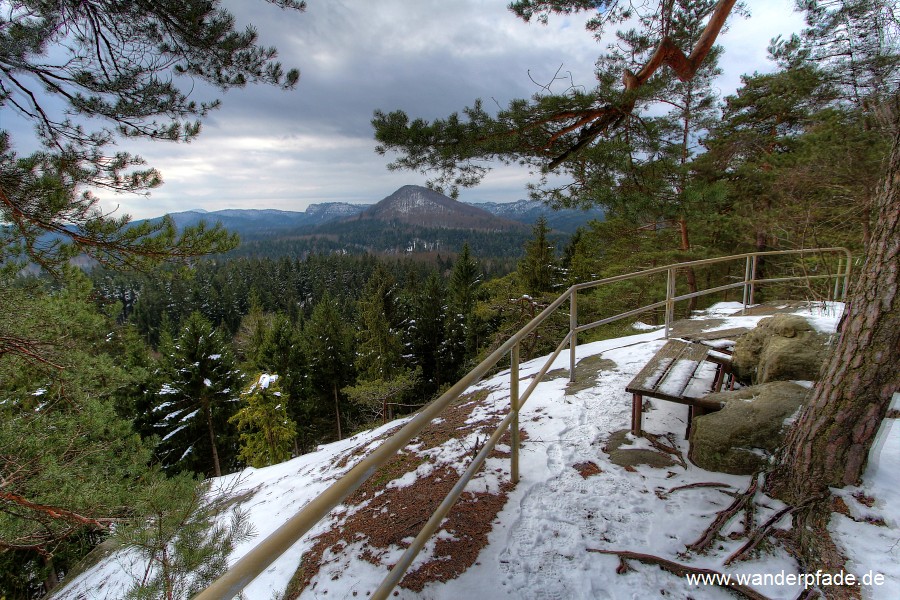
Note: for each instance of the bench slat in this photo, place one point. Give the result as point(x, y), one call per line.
point(669, 372)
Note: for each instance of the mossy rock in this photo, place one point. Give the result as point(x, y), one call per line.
point(781, 348)
point(741, 437)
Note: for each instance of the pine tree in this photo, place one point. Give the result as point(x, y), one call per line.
point(199, 393)
point(854, 43)
point(70, 465)
point(119, 73)
point(185, 539)
point(267, 431)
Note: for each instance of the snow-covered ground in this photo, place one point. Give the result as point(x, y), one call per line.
point(542, 540)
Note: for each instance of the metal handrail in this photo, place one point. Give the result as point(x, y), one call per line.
point(267, 551)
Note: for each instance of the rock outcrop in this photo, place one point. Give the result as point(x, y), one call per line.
point(780, 348)
point(741, 437)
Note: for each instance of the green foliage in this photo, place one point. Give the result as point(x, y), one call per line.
point(378, 338)
point(464, 281)
point(538, 270)
point(588, 136)
point(70, 465)
point(797, 172)
point(854, 43)
point(380, 399)
point(184, 543)
point(327, 345)
point(505, 308)
point(267, 431)
point(426, 334)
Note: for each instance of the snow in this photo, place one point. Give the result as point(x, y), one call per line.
point(265, 380)
point(874, 543)
point(541, 540)
point(641, 326)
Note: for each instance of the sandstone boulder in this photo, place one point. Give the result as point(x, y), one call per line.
point(780, 348)
point(741, 437)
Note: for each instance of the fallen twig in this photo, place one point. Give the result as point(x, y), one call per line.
point(671, 450)
point(682, 570)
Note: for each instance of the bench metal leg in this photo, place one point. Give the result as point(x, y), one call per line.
point(637, 413)
point(720, 378)
point(693, 411)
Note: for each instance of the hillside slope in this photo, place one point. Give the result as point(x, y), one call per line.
point(536, 540)
point(420, 206)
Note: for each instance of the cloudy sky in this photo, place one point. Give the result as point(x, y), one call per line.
point(267, 148)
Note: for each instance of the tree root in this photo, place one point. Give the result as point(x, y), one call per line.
point(763, 530)
point(740, 502)
point(662, 495)
point(680, 570)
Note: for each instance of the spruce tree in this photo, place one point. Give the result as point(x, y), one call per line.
point(378, 340)
point(462, 325)
point(199, 392)
point(327, 345)
point(538, 270)
point(267, 431)
point(427, 333)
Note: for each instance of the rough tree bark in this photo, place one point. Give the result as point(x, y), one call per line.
point(829, 444)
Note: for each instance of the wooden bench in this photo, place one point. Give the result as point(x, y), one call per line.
point(668, 375)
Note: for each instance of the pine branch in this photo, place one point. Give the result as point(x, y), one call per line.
point(56, 512)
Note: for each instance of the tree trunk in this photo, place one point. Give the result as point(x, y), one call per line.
point(689, 272)
point(337, 412)
point(829, 444)
point(212, 439)
point(51, 580)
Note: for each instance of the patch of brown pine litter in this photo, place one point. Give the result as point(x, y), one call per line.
point(384, 517)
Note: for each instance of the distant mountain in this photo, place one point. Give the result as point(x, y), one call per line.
point(528, 211)
point(421, 207)
point(259, 223)
point(330, 211)
point(412, 219)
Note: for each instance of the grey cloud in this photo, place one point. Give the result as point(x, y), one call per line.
point(266, 148)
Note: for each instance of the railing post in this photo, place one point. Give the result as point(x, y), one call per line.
point(514, 408)
point(837, 279)
point(670, 302)
point(753, 279)
point(846, 278)
point(745, 299)
point(573, 325)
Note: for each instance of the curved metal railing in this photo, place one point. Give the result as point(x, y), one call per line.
point(259, 558)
